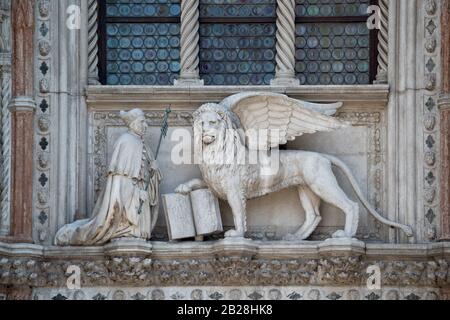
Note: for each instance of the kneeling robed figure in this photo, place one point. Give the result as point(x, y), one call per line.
point(128, 206)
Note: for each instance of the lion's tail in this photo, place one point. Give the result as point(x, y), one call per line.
point(345, 169)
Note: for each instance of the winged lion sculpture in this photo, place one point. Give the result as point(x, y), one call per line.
point(221, 130)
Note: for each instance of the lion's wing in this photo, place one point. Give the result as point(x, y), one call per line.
point(284, 118)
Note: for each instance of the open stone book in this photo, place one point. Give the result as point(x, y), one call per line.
point(196, 214)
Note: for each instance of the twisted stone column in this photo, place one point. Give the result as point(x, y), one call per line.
point(383, 43)
point(190, 25)
point(5, 152)
point(93, 42)
point(285, 72)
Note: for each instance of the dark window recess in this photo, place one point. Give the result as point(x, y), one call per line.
point(237, 42)
point(139, 42)
point(333, 43)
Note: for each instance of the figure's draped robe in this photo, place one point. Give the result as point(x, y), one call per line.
point(116, 213)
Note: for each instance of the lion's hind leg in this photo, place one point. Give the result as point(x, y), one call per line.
point(324, 184)
point(311, 204)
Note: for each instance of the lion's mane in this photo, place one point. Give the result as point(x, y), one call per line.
point(228, 144)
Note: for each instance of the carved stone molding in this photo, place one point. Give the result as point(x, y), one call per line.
point(43, 128)
point(430, 120)
point(376, 169)
point(362, 97)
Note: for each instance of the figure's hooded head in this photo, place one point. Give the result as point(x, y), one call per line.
point(135, 120)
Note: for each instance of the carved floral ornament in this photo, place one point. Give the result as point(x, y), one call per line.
point(223, 271)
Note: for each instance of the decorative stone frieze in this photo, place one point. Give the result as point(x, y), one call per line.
point(240, 264)
point(43, 123)
point(430, 118)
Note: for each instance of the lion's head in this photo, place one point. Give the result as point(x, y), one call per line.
point(216, 129)
point(213, 119)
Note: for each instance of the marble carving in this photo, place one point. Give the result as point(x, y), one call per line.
point(197, 214)
point(126, 207)
point(223, 146)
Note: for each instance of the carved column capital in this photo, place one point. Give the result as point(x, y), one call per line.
point(22, 103)
point(190, 25)
point(285, 72)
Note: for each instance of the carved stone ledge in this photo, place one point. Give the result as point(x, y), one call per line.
point(364, 97)
point(130, 247)
point(226, 263)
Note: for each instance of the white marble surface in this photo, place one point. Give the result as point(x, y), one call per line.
point(179, 216)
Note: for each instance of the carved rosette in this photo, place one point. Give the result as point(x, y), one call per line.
point(430, 120)
point(42, 125)
point(93, 42)
point(189, 52)
point(285, 72)
point(383, 42)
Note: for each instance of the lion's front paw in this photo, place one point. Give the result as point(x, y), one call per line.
point(340, 234)
point(234, 234)
point(183, 189)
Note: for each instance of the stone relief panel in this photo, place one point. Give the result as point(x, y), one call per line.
point(366, 159)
